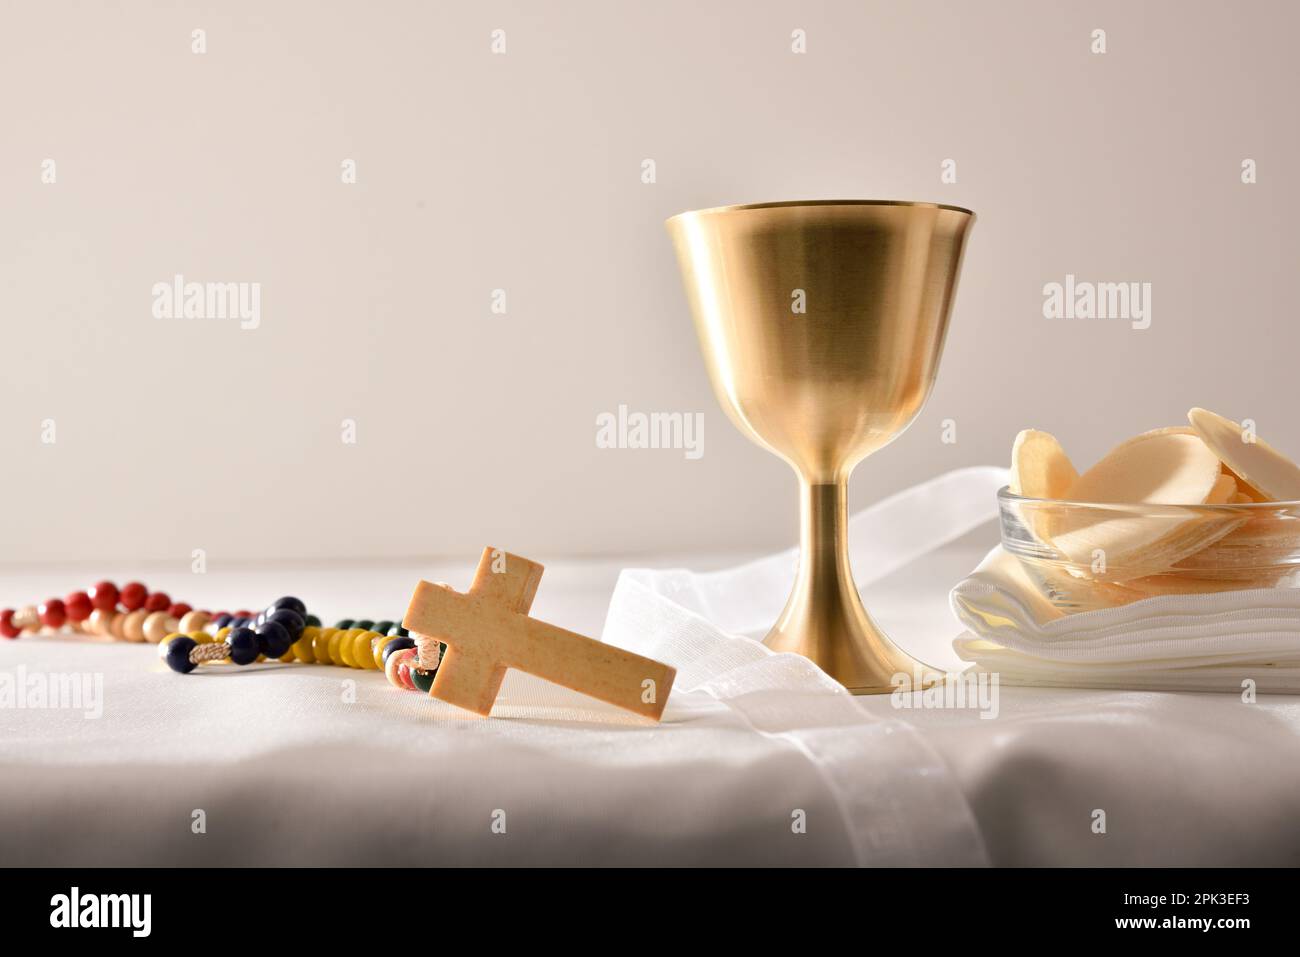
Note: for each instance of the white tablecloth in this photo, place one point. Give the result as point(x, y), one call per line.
point(287, 768)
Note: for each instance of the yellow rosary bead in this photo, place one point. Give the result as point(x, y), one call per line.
point(200, 637)
point(354, 646)
point(377, 638)
point(337, 644)
point(302, 648)
point(377, 647)
point(343, 650)
point(221, 634)
point(362, 657)
point(347, 644)
point(320, 644)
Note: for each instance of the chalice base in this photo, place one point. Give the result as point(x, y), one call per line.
point(857, 654)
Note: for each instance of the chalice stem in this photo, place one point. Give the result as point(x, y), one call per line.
point(824, 620)
point(823, 539)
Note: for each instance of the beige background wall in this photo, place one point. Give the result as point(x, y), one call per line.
point(523, 171)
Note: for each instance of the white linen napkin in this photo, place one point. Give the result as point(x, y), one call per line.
point(1222, 641)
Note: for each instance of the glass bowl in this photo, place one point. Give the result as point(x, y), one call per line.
point(1085, 555)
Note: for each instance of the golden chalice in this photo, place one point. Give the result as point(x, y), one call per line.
point(821, 324)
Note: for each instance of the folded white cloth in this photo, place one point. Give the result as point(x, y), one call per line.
point(1225, 641)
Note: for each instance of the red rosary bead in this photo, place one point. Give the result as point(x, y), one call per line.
point(133, 595)
point(104, 596)
point(78, 606)
point(7, 624)
point(158, 601)
point(179, 610)
point(53, 613)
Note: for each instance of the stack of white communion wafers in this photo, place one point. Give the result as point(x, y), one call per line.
point(1176, 590)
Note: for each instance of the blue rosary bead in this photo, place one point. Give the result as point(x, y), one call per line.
point(243, 646)
point(273, 639)
point(177, 654)
point(289, 602)
point(293, 622)
point(397, 644)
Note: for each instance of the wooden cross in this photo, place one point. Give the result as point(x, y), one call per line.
point(488, 630)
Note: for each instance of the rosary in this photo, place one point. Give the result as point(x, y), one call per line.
point(186, 637)
point(480, 634)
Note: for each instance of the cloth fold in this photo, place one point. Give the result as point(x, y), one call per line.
point(881, 776)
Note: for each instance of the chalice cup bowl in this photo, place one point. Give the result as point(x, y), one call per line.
point(821, 325)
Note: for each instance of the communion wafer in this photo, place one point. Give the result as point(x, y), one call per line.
point(1182, 584)
point(1039, 466)
point(1263, 545)
point(1169, 466)
point(1243, 493)
point(1125, 546)
point(1224, 491)
point(1265, 472)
